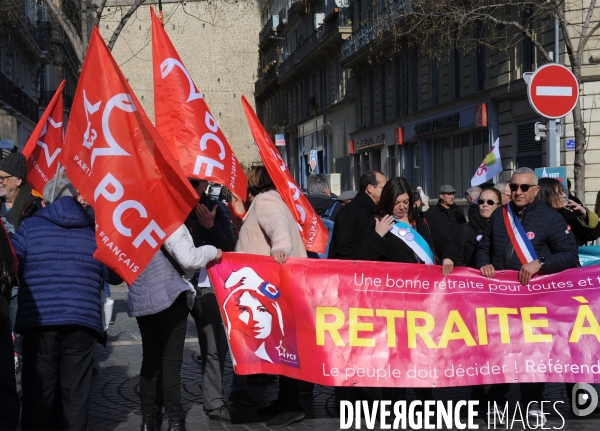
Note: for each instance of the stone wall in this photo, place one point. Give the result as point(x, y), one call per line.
point(217, 42)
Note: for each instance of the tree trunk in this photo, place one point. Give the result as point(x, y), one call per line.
point(117, 32)
point(580, 145)
point(68, 28)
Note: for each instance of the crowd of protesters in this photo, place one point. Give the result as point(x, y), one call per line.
point(47, 268)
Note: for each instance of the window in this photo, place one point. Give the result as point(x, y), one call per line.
point(435, 82)
point(371, 91)
point(321, 89)
point(376, 159)
point(382, 93)
point(527, 48)
point(398, 87)
point(359, 102)
point(414, 80)
point(392, 161)
point(529, 151)
point(305, 98)
point(357, 169)
point(456, 75)
point(480, 59)
point(457, 157)
point(338, 90)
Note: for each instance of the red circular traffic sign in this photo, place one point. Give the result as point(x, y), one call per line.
point(553, 91)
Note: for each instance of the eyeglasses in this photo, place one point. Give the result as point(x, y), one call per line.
point(524, 187)
point(4, 178)
point(489, 202)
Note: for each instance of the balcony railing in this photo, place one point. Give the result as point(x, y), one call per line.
point(14, 98)
point(268, 28)
point(368, 32)
point(328, 28)
point(46, 97)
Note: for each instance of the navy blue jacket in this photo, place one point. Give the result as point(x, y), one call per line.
point(552, 240)
point(60, 280)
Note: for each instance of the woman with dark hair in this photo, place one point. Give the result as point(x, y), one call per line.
point(398, 235)
point(469, 234)
point(270, 229)
point(582, 221)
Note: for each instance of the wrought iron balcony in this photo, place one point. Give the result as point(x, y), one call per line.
point(376, 27)
point(268, 29)
point(337, 26)
point(12, 98)
point(46, 97)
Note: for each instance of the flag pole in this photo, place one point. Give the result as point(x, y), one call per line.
point(160, 13)
point(54, 185)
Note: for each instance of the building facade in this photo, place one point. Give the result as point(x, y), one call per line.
point(34, 58)
point(429, 119)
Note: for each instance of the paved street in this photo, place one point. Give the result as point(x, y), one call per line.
point(115, 402)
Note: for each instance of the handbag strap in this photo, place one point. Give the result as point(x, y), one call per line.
point(173, 262)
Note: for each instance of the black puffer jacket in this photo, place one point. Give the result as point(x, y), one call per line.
point(551, 240)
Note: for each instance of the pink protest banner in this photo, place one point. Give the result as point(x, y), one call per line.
point(344, 323)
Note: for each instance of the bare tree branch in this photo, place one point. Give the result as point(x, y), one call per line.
point(136, 4)
point(68, 28)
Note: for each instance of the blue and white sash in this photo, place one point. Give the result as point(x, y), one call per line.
point(520, 240)
point(414, 240)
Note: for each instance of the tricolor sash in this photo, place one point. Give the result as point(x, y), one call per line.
point(518, 237)
point(414, 240)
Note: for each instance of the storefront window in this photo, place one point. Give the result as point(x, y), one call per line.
point(456, 159)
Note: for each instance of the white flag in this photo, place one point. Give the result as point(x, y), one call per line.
point(490, 167)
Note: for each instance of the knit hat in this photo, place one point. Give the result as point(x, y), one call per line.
point(15, 165)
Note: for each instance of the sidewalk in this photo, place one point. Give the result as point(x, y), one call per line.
point(115, 391)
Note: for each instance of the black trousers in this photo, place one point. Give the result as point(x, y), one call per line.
point(163, 338)
point(57, 357)
point(289, 394)
point(9, 400)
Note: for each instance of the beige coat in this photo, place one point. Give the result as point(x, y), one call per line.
point(270, 226)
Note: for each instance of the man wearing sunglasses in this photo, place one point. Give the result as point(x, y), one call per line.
point(554, 251)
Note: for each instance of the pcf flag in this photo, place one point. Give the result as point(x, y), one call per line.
point(313, 231)
point(490, 167)
point(186, 124)
point(44, 145)
point(121, 166)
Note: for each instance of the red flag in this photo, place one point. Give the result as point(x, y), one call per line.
point(121, 166)
point(44, 145)
point(185, 122)
point(313, 231)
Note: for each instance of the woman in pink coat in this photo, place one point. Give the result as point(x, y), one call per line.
point(269, 229)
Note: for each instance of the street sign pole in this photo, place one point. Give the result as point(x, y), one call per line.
point(553, 92)
point(553, 140)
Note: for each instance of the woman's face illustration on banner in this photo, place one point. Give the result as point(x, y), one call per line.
point(256, 317)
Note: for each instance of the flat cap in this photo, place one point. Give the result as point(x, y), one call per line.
point(347, 195)
point(447, 188)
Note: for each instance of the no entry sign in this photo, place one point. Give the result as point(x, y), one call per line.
point(553, 91)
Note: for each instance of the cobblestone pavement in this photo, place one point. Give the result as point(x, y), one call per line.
point(115, 392)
